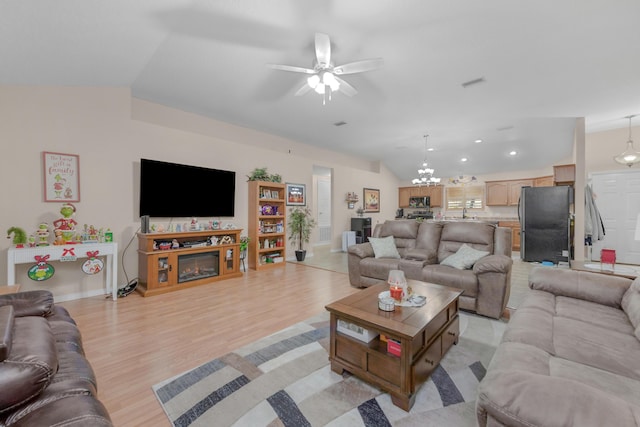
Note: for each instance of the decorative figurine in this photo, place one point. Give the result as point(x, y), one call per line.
point(175, 244)
point(19, 236)
point(43, 234)
point(66, 224)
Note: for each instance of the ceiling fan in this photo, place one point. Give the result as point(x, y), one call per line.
point(324, 76)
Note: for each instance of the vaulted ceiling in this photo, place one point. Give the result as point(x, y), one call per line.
point(541, 64)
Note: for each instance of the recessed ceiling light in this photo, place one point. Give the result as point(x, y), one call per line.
point(430, 149)
point(512, 153)
point(464, 159)
point(478, 141)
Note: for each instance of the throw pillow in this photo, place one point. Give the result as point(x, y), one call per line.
point(631, 303)
point(384, 247)
point(464, 258)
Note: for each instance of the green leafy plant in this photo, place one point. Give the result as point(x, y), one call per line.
point(301, 223)
point(244, 243)
point(261, 174)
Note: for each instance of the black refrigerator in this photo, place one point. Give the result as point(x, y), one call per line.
point(544, 214)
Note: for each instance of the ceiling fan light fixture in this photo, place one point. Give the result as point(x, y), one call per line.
point(629, 156)
point(313, 81)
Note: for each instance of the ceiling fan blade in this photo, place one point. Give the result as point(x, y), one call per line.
point(291, 68)
point(303, 89)
point(323, 49)
point(346, 88)
point(359, 66)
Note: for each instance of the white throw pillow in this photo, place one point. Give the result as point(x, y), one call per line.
point(464, 258)
point(384, 247)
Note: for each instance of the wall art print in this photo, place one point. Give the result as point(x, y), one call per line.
point(296, 194)
point(371, 200)
point(61, 177)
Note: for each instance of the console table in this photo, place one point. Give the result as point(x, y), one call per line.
point(67, 252)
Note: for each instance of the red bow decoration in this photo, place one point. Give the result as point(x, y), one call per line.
point(69, 251)
point(92, 254)
point(40, 259)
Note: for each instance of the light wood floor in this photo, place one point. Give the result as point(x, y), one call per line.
point(137, 342)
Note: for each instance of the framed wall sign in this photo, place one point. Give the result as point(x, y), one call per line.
point(296, 194)
point(61, 177)
point(371, 200)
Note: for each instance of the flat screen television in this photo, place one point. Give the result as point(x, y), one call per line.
point(175, 190)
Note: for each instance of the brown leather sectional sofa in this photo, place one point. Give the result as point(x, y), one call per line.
point(45, 380)
point(423, 246)
point(569, 355)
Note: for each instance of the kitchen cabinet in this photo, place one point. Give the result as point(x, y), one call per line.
point(404, 193)
point(543, 181)
point(433, 192)
point(505, 193)
point(497, 193)
point(515, 233)
point(564, 174)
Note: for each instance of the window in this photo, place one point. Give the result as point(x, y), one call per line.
point(470, 197)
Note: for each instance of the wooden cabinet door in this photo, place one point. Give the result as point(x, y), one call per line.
point(515, 238)
point(497, 193)
point(543, 181)
point(404, 193)
point(435, 194)
point(514, 190)
point(564, 173)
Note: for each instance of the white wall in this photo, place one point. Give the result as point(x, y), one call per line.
point(111, 131)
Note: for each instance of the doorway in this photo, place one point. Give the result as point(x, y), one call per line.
point(322, 184)
point(617, 197)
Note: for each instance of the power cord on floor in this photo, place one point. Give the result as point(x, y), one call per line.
point(131, 284)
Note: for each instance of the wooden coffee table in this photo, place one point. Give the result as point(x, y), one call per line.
point(425, 334)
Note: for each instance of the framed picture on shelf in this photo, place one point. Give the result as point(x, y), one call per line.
point(371, 200)
point(275, 194)
point(266, 194)
point(61, 174)
point(296, 194)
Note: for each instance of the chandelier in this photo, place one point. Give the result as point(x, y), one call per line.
point(425, 173)
point(629, 156)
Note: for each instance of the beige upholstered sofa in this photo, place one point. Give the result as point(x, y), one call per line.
point(423, 247)
point(570, 355)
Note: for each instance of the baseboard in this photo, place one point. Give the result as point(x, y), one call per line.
point(80, 295)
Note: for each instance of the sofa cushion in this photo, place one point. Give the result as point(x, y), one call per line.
point(384, 247)
point(631, 304)
point(445, 275)
point(6, 331)
point(464, 258)
point(478, 235)
point(588, 286)
point(378, 268)
point(31, 364)
point(427, 243)
point(403, 232)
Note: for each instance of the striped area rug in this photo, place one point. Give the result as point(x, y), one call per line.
point(285, 380)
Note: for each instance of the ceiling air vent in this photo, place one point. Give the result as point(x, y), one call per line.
point(340, 123)
point(473, 82)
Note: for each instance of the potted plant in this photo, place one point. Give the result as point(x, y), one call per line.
point(300, 225)
point(261, 174)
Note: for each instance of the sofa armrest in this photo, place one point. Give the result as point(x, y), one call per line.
point(494, 284)
point(493, 264)
point(594, 287)
point(362, 250)
point(519, 398)
point(29, 303)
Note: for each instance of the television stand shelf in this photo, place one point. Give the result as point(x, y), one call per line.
point(185, 266)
